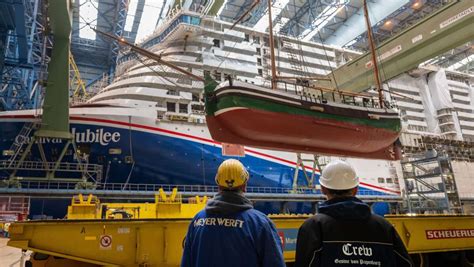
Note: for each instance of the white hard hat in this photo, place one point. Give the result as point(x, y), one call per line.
point(339, 175)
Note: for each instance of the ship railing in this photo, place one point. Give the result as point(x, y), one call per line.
point(65, 185)
point(86, 170)
point(40, 165)
point(321, 95)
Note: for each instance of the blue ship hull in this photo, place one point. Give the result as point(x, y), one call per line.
point(147, 158)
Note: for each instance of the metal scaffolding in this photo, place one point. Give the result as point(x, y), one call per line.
point(111, 18)
point(24, 48)
point(309, 165)
point(430, 186)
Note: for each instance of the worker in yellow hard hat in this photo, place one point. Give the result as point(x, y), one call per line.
point(229, 231)
point(232, 176)
point(345, 232)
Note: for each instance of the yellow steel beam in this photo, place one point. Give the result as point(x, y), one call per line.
point(77, 85)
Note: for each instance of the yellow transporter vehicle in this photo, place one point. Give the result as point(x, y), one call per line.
point(121, 242)
point(158, 242)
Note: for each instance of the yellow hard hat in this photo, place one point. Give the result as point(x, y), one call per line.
point(231, 174)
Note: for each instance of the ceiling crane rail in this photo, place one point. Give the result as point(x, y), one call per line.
point(445, 29)
point(150, 55)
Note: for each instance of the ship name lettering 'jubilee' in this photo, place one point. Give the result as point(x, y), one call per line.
point(97, 136)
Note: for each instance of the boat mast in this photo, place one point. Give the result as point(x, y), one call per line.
point(374, 55)
point(272, 44)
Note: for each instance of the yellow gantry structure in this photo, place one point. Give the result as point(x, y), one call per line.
point(77, 85)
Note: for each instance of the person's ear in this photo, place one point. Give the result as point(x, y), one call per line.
point(324, 190)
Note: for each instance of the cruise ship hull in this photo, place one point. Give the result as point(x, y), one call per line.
point(146, 153)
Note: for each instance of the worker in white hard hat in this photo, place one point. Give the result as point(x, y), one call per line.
point(229, 231)
point(345, 232)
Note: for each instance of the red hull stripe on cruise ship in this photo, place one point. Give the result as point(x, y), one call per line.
point(379, 188)
point(156, 129)
point(180, 134)
point(187, 136)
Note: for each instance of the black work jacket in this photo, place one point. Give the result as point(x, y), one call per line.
point(346, 233)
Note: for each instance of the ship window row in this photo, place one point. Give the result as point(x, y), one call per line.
point(172, 106)
point(405, 90)
point(442, 120)
point(164, 83)
point(247, 37)
point(230, 52)
point(461, 101)
point(460, 85)
point(307, 58)
point(456, 91)
point(463, 110)
point(417, 128)
point(279, 45)
point(464, 127)
point(444, 111)
point(382, 180)
point(154, 72)
point(181, 19)
point(412, 109)
point(217, 75)
point(406, 100)
point(414, 118)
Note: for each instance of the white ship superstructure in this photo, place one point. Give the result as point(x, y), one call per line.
point(207, 46)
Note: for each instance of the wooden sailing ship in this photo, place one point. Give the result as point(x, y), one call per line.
point(332, 123)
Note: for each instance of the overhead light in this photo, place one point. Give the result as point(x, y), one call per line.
point(388, 23)
point(416, 5)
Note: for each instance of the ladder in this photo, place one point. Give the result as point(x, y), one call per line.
point(313, 164)
point(21, 139)
point(294, 59)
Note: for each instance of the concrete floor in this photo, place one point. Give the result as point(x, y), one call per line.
point(9, 256)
